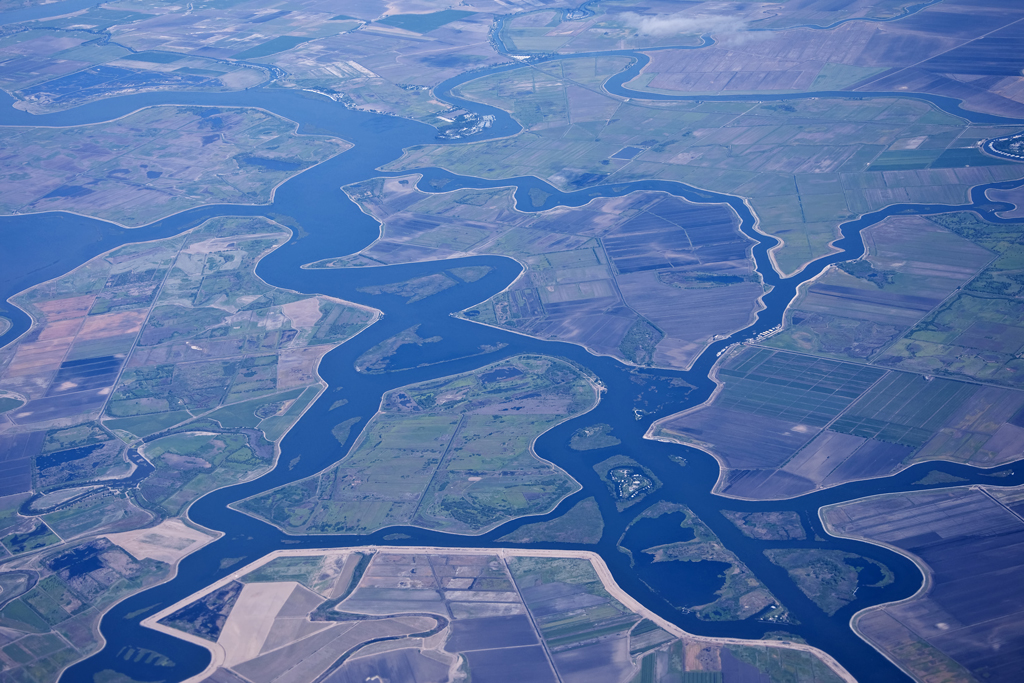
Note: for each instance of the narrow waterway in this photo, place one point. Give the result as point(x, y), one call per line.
point(335, 226)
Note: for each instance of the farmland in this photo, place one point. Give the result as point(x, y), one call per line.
point(140, 338)
point(936, 296)
point(852, 55)
point(635, 277)
point(124, 171)
point(976, 333)
point(143, 340)
point(805, 165)
point(810, 423)
point(544, 616)
point(856, 310)
point(387, 65)
point(53, 623)
point(965, 539)
point(452, 454)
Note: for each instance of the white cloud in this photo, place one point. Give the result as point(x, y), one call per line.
point(679, 24)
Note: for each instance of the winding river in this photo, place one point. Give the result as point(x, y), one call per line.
point(335, 226)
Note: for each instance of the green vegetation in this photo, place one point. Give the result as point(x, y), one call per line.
point(790, 387)
point(570, 626)
point(976, 333)
point(593, 438)
point(342, 430)
point(581, 524)
point(149, 187)
point(415, 289)
point(452, 454)
point(937, 477)
point(784, 525)
point(190, 463)
point(205, 338)
point(828, 577)
point(628, 481)
point(742, 596)
point(39, 537)
point(822, 422)
point(206, 616)
point(7, 403)
point(377, 359)
point(638, 344)
point(801, 184)
point(588, 280)
point(424, 23)
point(271, 47)
point(302, 569)
point(53, 624)
point(783, 664)
point(903, 408)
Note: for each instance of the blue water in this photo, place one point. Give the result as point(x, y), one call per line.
point(335, 226)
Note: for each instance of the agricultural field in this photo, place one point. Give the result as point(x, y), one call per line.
point(361, 59)
point(155, 162)
point(539, 616)
point(53, 623)
point(453, 454)
point(151, 336)
point(606, 27)
point(934, 50)
point(977, 332)
point(175, 340)
point(967, 540)
point(647, 278)
point(936, 296)
point(805, 165)
point(857, 309)
point(741, 594)
point(58, 63)
point(810, 423)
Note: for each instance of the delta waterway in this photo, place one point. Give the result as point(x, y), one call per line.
point(334, 226)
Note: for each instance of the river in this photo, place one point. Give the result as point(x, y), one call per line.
point(335, 226)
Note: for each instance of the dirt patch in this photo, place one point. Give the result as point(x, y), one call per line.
point(218, 244)
point(251, 619)
point(113, 324)
point(304, 314)
point(168, 542)
point(75, 307)
point(38, 357)
point(297, 367)
point(60, 329)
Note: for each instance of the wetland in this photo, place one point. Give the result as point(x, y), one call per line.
point(463, 348)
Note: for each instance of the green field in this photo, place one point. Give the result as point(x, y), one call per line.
point(581, 524)
point(452, 454)
point(790, 387)
point(154, 185)
point(801, 183)
point(903, 408)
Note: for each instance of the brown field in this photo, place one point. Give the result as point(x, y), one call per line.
point(592, 273)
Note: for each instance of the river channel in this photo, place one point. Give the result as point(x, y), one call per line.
point(334, 226)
